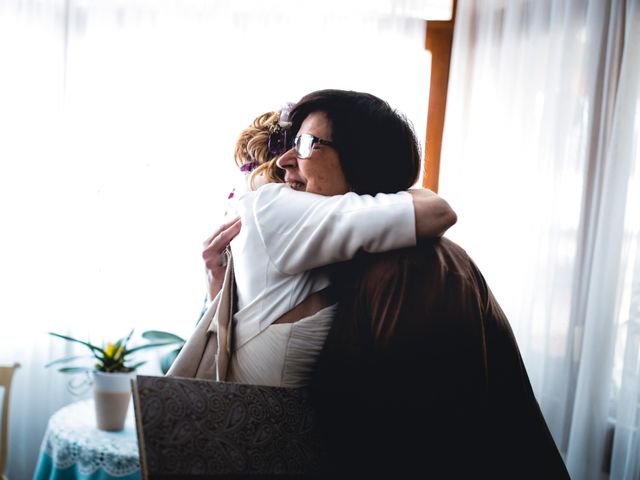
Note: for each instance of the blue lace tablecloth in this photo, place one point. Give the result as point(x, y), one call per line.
point(73, 447)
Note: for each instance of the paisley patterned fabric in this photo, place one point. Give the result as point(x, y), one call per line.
point(73, 443)
point(202, 427)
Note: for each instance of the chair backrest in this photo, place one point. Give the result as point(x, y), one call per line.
point(190, 428)
point(6, 375)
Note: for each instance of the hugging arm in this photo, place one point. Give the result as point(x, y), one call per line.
point(301, 231)
point(433, 214)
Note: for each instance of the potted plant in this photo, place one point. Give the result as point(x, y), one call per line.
point(112, 373)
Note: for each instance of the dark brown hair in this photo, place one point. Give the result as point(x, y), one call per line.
point(377, 146)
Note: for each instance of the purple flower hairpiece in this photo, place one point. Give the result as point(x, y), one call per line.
point(249, 166)
point(279, 141)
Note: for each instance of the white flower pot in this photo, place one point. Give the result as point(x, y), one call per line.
point(112, 393)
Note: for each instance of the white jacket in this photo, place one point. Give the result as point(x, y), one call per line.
point(287, 236)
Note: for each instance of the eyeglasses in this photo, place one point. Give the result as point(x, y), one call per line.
point(303, 144)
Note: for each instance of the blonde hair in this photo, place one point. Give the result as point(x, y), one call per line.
point(253, 146)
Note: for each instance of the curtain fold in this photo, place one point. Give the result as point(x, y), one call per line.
point(625, 462)
point(539, 158)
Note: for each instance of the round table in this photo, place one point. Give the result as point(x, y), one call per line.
point(73, 447)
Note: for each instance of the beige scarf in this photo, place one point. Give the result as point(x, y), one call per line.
point(207, 352)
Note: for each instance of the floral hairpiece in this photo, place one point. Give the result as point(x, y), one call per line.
point(278, 142)
point(249, 166)
point(279, 132)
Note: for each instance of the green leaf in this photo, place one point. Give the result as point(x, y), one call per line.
point(66, 359)
point(86, 344)
point(76, 369)
point(125, 340)
point(160, 335)
point(136, 365)
point(167, 360)
point(150, 345)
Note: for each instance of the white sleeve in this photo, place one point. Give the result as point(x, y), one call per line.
point(302, 231)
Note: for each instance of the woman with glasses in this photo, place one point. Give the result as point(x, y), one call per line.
point(283, 306)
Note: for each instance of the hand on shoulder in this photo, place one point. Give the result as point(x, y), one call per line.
point(434, 215)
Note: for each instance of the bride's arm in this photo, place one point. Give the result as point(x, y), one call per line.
point(301, 231)
point(432, 216)
point(212, 254)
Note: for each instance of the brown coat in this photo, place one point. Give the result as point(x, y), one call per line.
point(421, 375)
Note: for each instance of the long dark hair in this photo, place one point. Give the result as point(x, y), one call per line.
point(377, 146)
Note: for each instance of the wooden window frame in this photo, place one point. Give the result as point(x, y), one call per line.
point(438, 41)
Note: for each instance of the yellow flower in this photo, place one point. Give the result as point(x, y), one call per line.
point(110, 350)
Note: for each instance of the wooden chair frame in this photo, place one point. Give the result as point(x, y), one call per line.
point(6, 376)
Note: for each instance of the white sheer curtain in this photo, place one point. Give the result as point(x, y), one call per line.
point(117, 126)
point(540, 159)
